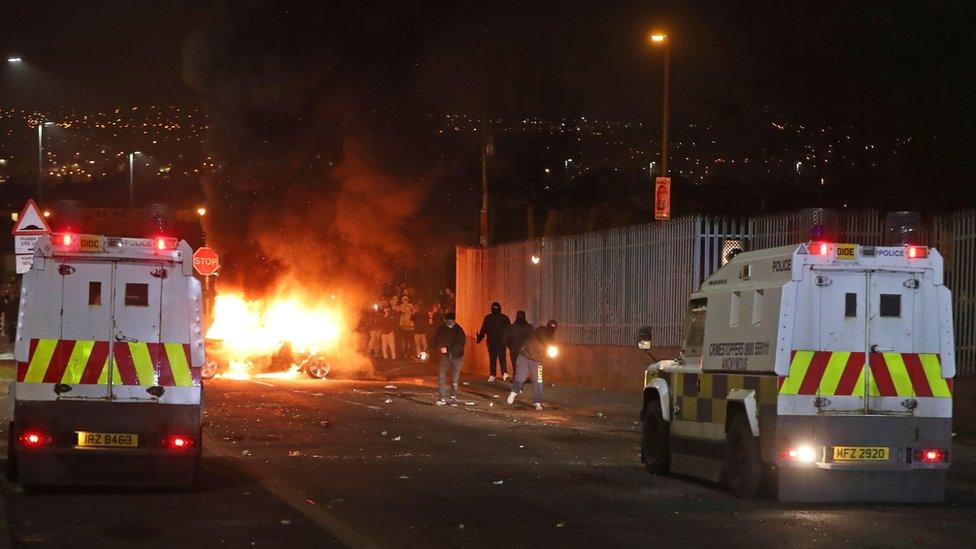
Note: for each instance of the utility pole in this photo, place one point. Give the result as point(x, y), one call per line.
point(664, 121)
point(486, 150)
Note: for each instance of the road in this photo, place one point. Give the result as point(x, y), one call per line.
point(305, 463)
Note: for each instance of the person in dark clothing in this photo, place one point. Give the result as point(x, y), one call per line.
point(449, 342)
point(10, 308)
point(421, 325)
point(537, 347)
point(515, 336)
point(493, 328)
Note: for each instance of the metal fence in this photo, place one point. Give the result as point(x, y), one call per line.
point(603, 286)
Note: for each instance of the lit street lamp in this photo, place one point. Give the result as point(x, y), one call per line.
point(40, 155)
point(132, 157)
point(661, 39)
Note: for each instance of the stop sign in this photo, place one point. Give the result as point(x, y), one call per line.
point(205, 261)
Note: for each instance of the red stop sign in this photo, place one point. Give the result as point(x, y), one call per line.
point(205, 261)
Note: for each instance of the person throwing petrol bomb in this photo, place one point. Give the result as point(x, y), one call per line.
point(539, 345)
point(449, 342)
point(493, 328)
point(515, 336)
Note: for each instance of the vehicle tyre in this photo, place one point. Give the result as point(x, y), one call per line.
point(743, 467)
point(11, 454)
point(317, 368)
point(655, 439)
point(209, 370)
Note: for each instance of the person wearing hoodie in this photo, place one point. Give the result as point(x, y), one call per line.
point(515, 336)
point(493, 328)
point(529, 365)
point(449, 343)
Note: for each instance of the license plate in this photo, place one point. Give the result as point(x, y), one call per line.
point(107, 440)
point(860, 453)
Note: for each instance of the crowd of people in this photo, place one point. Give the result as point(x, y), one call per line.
point(400, 324)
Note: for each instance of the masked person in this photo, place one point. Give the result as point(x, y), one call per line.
point(493, 328)
point(515, 336)
point(449, 343)
point(528, 367)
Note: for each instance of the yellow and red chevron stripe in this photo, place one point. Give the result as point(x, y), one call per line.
point(839, 373)
point(86, 362)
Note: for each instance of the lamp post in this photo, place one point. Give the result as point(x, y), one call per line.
point(40, 157)
point(661, 39)
point(132, 157)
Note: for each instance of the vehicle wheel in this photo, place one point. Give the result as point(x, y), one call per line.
point(209, 370)
point(743, 467)
point(317, 368)
point(11, 454)
point(655, 439)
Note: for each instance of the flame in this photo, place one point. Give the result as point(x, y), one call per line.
point(252, 331)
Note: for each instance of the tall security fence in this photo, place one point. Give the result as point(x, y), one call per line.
point(603, 286)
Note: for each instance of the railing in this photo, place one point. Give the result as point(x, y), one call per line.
point(603, 286)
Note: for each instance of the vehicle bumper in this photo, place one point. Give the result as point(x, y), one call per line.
point(63, 463)
point(902, 478)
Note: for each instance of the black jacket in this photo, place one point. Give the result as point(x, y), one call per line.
point(452, 338)
point(516, 334)
point(493, 328)
point(535, 345)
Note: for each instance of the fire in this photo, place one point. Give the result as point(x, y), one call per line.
point(251, 332)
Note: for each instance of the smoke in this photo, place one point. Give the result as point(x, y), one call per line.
point(322, 174)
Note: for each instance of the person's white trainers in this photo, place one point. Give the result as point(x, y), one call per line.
point(441, 402)
point(491, 379)
point(511, 398)
point(453, 402)
point(506, 377)
point(538, 406)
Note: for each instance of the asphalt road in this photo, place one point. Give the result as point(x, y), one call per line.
point(305, 463)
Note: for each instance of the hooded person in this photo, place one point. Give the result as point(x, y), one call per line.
point(515, 336)
point(538, 345)
point(493, 328)
point(449, 343)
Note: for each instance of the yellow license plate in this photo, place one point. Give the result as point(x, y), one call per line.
point(860, 453)
point(107, 440)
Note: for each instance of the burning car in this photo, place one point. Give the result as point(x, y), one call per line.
point(283, 336)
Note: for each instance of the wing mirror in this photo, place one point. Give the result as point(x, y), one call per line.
point(644, 341)
point(644, 338)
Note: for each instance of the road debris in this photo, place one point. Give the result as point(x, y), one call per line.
point(390, 387)
point(498, 482)
point(246, 453)
point(396, 438)
point(294, 453)
point(387, 401)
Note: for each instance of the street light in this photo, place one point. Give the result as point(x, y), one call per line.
point(661, 39)
point(40, 155)
point(201, 211)
point(132, 157)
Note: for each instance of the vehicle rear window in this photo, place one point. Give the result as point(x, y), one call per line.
point(94, 293)
point(136, 294)
point(850, 305)
point(890, 305)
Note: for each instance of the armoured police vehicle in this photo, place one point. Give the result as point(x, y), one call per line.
point(822, 370)
point(109, 350)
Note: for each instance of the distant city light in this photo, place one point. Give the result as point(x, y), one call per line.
point(201, 211)
point(14, 60)
point(535, 259)
point(47, 213)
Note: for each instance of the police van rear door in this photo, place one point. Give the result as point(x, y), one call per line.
point(895, 366)
point(136, 328)
point(79, 359)
point(834, 368)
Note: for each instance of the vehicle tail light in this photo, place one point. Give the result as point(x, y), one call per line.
point(163, 243)
point(799, 454)
point(64, 240)
point(931, 455)
point(177, 442)
point(917, 252)
point(34, 439)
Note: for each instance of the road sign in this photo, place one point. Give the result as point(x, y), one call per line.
point(205, 261)
point(24, 262)
point(662, 198)
point(25, 243)
point(31, 221)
